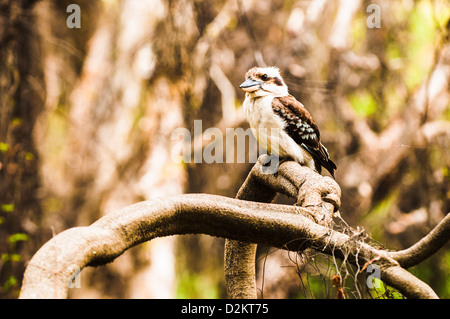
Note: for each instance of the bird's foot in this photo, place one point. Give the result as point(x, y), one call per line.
point(270, 164)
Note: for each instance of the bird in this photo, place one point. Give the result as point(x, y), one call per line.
point(280, 123)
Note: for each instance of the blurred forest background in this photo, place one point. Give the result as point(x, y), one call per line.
point(86, 119)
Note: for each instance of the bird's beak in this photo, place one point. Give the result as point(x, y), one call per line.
point(250, 85)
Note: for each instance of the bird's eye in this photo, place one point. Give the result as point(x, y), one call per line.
point(264, 77)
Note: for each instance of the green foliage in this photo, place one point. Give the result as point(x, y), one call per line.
point(434, 271)
point(191, 285)
point(3, 147)
point(29, 156)
point(445, 265)
point(7, 208)
point(379, 212)
point(8, 284)
point(363, 103)
point(420, 47)
point(315, 287)
point(383, 291)
point(18, 237)
point(11, 257)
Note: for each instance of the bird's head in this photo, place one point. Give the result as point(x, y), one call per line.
point(264, 81)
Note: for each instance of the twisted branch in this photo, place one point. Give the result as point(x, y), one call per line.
point(425, 247)
point(51, 269)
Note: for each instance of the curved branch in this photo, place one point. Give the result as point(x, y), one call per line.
point(425, 247)
point(411, 286)
point(310, 189)
point(282, 226)
point(49, 271)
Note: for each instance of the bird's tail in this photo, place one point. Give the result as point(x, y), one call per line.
point(322, 158)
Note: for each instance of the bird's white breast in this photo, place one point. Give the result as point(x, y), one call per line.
point(268, 129)
point(260, 114)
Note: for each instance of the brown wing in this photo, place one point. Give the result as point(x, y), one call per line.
point(302, 129)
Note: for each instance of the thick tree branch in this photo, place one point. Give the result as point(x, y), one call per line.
point(407, 284)
point(240, 273)
point(49, 271)
point(283, 226)
point(240, 257)
point(320, 194)
point(293, 180)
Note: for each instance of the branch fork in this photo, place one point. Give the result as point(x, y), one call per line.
point(245, 221)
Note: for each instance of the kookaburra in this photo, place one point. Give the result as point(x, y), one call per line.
point(280, 123)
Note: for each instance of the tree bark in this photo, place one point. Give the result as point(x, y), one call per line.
point(307, 186)
point(283, 226)
point(240, 273)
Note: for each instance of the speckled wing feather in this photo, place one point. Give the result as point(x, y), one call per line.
point(301, 128)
